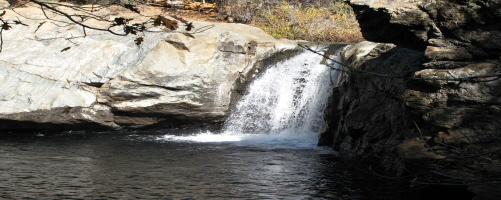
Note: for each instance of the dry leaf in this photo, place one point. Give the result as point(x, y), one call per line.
point(189, 26)
point(6, 26)
point(170, 24)
point(139, 40)
point(180, 19)
point(121, 21)
point(131, 7)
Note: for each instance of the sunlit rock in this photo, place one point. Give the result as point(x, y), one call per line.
point(52, 70)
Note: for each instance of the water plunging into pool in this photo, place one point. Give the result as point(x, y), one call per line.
point(284, 106)
point(267, 150)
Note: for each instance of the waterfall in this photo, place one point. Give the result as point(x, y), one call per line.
point(288, 99)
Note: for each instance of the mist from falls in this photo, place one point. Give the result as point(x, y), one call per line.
point(284, 105)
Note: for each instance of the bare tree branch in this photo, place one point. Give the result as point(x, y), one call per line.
point(69, 17)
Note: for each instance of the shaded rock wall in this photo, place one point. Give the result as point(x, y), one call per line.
point(54, 77)
point(448, 107)
point(368, 113)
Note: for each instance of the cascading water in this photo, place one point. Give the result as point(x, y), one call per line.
point(286, 102)
point(288, 98)
point(267, 150)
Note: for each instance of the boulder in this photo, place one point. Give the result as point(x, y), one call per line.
point(59, 75)
point(435, 108)
point(419, 24)
point(369, 114)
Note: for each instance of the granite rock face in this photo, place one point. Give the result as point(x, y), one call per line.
point(58, 76)
point(443, 99)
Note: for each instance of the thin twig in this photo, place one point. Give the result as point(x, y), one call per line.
point(424, 141)
point(73, 20)
point(369, 73)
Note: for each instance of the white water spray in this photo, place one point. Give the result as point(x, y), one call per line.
point(289, 98)
point(286, 101)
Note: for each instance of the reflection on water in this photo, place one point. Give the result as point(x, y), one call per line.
point(148, 166)
point(285, 106)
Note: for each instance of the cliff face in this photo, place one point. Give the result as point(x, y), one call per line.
point(55, 75)
point(460, 29)
point(449, 106)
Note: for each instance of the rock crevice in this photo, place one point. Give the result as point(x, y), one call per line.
point(447, 107)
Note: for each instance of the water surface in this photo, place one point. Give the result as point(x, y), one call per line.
point(267, 150)
point(151, 165)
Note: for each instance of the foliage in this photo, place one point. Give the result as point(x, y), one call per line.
point(333, 23)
